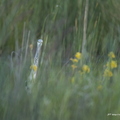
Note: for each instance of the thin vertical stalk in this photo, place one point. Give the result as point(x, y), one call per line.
point(85, 28)
point(26, 50)
point(23, 40)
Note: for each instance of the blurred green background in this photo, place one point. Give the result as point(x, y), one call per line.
point(60, 24)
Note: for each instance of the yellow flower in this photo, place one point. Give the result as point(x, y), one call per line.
point(108, 73)
point(78, 55)
point(72, 80)
point(86, 68)
point(99, 87)
point(33, 67)
point(31, 46)
point(73, 66)
point(112, 64)
point(73, 60)
point(111, 55)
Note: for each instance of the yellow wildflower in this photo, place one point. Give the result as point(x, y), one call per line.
point(99, 87)
point(78, 55)
point(33, 67)
point(31, 46)
point(73, 60)
point(72, 80)
point(73, 66)
point(111, 55)
point(112, 64)
point(108, 73)
point(86, 68)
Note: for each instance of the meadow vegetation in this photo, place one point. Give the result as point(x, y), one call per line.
point(78, 73)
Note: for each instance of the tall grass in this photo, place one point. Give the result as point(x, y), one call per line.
point(56, 95)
